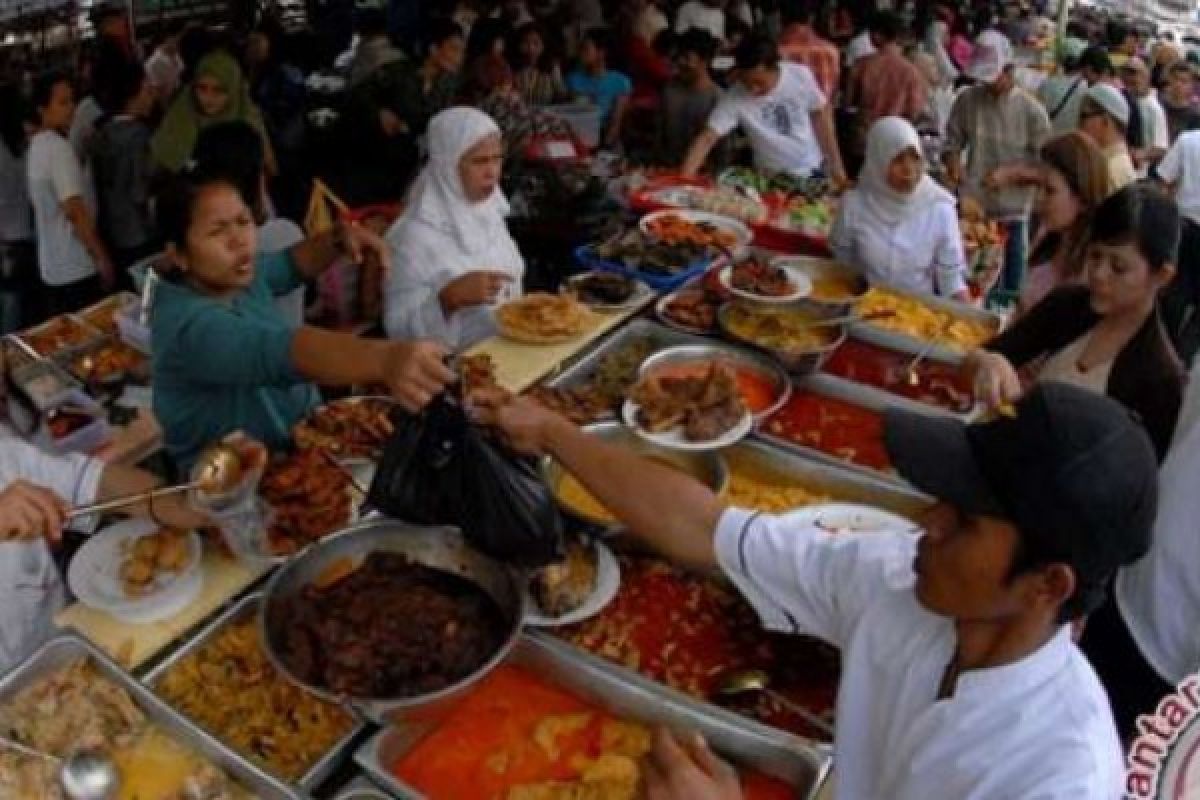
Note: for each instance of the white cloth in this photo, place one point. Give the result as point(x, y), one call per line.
point(650, 23)
point(695, 14)
point(1037, 728)
point(1181, 167)
point(280, 234)
point(778, 124)
point(1154, 122)
point(55, 176)
point(1159, 596)
point(16, 216)
point(858, 48)
point(911, 241)
point(31, 589)
point(442, 236)
point(164, 70)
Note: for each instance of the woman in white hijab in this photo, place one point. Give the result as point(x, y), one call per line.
point(898, 227)
point(453, 258)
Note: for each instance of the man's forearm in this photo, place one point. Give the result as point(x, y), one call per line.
point(827, 139)
point(338, 359)
point(699, 151)
point(85, 231)
point(672, 513)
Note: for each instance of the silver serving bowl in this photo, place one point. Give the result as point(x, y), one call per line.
point(817, 268)
point(798, 361)
point(707, 467)
point(767, 367)
point(438, 548)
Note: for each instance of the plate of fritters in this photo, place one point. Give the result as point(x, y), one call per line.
point(541, 318)
point(353, 427)
point(700, 409)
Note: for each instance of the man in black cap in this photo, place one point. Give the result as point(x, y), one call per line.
point(959, 675)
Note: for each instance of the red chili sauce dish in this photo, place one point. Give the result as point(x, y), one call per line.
point(938, 384)
point(832, 426)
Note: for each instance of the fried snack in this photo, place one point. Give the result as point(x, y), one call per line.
point(309, 498)
point(675, 229)
point(477, 372)
point(148, 557)
point(777, 330)
point(356, 427)
point(913, 318)
point(57, 334)
point(230, 689)
point(565, 585)
point(541, 318)
point(705, 405)
point(583, 405)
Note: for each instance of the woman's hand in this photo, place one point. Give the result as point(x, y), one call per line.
point(416, 372)
point(522, 422)
point(688, 771)
point(480, 288)
point(996, 382)
point(31, 512)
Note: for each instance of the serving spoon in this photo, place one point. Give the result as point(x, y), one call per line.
point(756, 681)
point(84, 775)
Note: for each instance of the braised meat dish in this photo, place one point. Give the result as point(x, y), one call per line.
point(706, 404)
point(762, 279)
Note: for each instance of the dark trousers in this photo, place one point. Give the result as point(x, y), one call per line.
point(1181, 299)
point(1134, 687)
point(69, 297)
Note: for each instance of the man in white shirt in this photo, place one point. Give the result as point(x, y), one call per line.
point(704, 14)
point(782, 111)
point(73, 262)
point(959, 676)
point(36, 490)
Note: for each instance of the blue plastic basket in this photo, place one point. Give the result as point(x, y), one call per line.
point(586, 256)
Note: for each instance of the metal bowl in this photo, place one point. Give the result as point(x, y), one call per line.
point(707, 467)
point(817, 268)
point(797, 361)
point(439, 548)
point(691, 353)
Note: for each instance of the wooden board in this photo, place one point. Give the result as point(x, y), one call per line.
point(520, 366)
point(134, 645)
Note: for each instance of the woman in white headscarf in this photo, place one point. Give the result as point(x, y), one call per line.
point(454, 259)
point(898, 226)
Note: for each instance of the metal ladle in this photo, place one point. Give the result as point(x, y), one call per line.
point(84, 775)
point(218, 469)
point(756, 681)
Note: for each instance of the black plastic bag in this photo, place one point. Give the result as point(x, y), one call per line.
point(440, 469)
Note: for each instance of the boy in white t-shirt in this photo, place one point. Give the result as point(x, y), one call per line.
point(782, 111)
point(73, 263)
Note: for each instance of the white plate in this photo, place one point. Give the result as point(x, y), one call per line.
point(802, 282)
point(674, 438)
point(608, 580)
point(94, 576)
point(853, 518)
point(744, 235)
point(677, 196)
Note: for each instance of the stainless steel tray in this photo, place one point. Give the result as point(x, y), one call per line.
point(874, 334)
point(24, 336)
point(747, 744)
point(843, 484)
point(64, 650)
point(857, 394)
point(247, 609)
point(662, 337)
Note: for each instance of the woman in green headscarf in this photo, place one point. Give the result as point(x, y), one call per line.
point(218, 93)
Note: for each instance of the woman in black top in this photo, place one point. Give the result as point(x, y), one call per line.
point(1107, 335)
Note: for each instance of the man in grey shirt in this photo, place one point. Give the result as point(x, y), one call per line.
point(689, 97)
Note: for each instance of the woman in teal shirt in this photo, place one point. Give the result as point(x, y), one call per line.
point(224, 359)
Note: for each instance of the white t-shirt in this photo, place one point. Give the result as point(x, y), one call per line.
point(1181, 166)
point(31, 590)
point(1154, 122)
point(924, 253)
point(16, 218)
point(1040, 727)
point(55, 176)
point(778, 124)
point(695, 14)
point(1159, 596)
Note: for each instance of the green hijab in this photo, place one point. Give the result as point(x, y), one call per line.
point(176, 136)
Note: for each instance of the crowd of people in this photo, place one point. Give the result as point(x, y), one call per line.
point(1063, 544)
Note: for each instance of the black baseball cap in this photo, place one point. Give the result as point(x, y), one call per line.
point(1073, 470)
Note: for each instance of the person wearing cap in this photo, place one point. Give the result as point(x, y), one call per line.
point(1143, 641)
point(959, 675)
point(1136, 77)
point(1105, 117)
point(1106, 336)
point(997, 123)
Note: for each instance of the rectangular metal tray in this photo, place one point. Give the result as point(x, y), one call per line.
point(846, 485)
point(582, 368)
point(66, 358)
point(64, 650)
point(24, 336)
point(859, 395)
point(248, 606)
point(747, 744)
point(114, 303)
point(874, 334)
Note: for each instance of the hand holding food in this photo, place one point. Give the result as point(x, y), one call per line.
point(30, 512)
point(997, 384)
point(688, 770)
point(480, 288)
point(416, 372)
point(522, 421)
